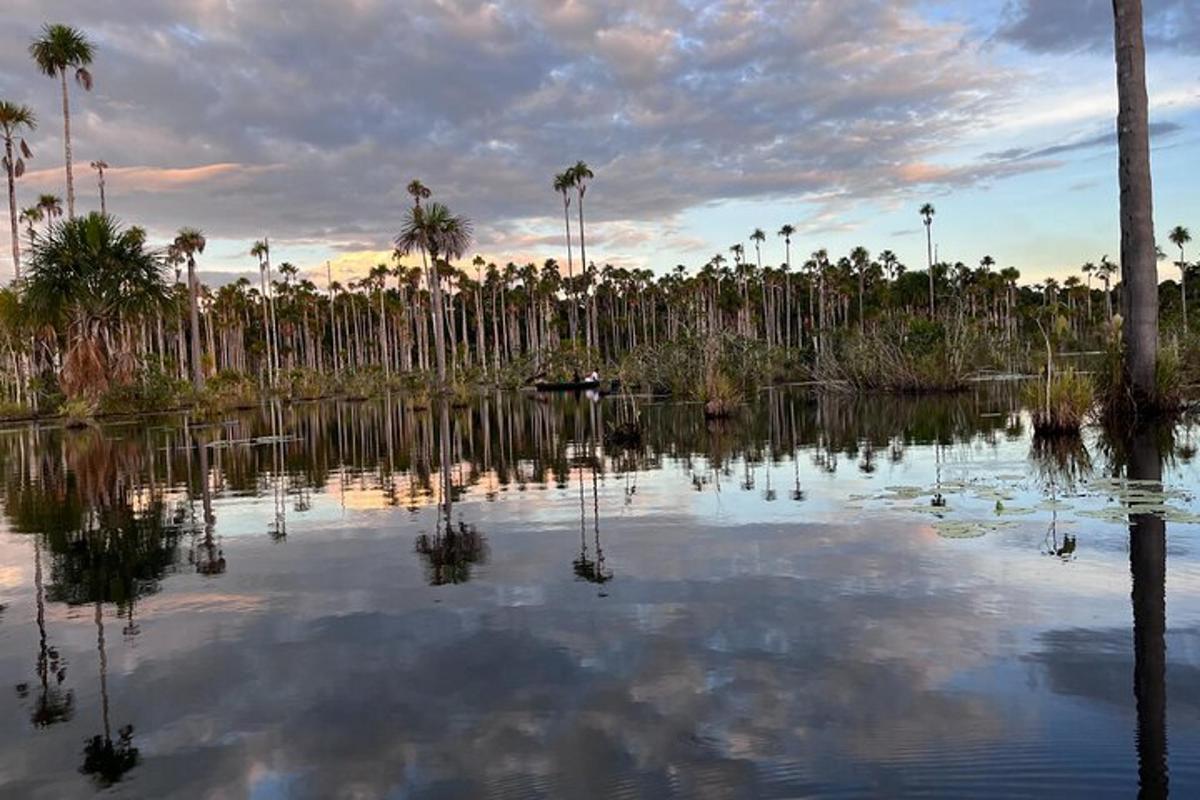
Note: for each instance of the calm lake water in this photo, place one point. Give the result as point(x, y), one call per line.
point(821, 598)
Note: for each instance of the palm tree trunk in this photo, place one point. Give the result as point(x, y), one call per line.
point(12, 208)
point(1139, 270)
point(194, 303)
point(929, 255)
point(62, 74)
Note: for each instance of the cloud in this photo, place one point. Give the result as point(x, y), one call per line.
point(326, 118)
point(1055, 26)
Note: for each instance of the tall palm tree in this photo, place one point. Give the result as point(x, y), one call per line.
point(1180, 236)
point(579, 175)
point(15, 120)
point(435, 231)
point(562, 184)
point(189, 242)
point(58, 49)
point(927, 211)
point(100, 165)
point(262, 251)
point(787, 231)
point(1089, 269)
point(1139, 272)
point(860, 257)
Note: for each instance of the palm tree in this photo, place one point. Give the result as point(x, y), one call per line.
point(189, 242)
point(418, 190)
point(758, 237)
point(100, 165)
point(861, 259)
point(579, 175)
point(787, 231)
point(1139, 272)
point(14, 121)
point(435, 231)
point(562, 184)
point(262, 251)
point(58, 49)
point(1180, 236)
point(927, 211)
point(51, 206)
point(1106, 269)
point(1089, 269)
point(31, 216)
point(88, 278)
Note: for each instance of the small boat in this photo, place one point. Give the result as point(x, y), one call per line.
point(567, 386)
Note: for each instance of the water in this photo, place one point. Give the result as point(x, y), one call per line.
point(823, 598)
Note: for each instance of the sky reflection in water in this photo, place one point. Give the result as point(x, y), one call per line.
point(772, 607)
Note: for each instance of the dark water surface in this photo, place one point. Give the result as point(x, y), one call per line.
point(823, 598)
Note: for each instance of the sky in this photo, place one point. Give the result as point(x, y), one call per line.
point(304, 121)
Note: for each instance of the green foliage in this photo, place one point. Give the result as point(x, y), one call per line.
point(10, 410)
point(225, 391)
point(1117, 402)
point(907, 357)
point(77, 412)
point(682, 367)
point(1063, 406)
point(722, 396)
point(154, 390)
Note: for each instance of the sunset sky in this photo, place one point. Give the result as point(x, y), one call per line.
point(305, 120)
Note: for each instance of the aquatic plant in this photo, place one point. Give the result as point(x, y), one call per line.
point(1061, 403)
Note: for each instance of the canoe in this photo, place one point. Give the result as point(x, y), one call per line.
point(567, 386)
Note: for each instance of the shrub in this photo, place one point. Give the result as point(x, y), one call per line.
point(721, 395)
point(914, 356)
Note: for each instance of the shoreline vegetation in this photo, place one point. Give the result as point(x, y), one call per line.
point(100, 321)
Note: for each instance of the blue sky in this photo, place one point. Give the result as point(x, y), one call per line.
point(701, 121)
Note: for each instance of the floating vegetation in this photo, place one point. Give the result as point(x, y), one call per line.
point(968, 528)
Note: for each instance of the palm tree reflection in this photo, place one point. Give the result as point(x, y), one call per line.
point(53, 704)
point(454, 549)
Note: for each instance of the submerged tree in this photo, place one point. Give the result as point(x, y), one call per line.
point(58, 49)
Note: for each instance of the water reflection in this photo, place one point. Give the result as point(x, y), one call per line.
point(1148, 565)
point(744, 646)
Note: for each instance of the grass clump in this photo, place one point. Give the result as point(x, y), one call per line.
point(912, 357)
point(1061, 403)
point(78, 412)
point(1118, 402)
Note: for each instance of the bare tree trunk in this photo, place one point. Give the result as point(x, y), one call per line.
point(1139, 268)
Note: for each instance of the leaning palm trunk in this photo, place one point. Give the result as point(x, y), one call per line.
point(1139, 270)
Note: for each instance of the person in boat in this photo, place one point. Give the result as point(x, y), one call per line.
point(594, 377)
